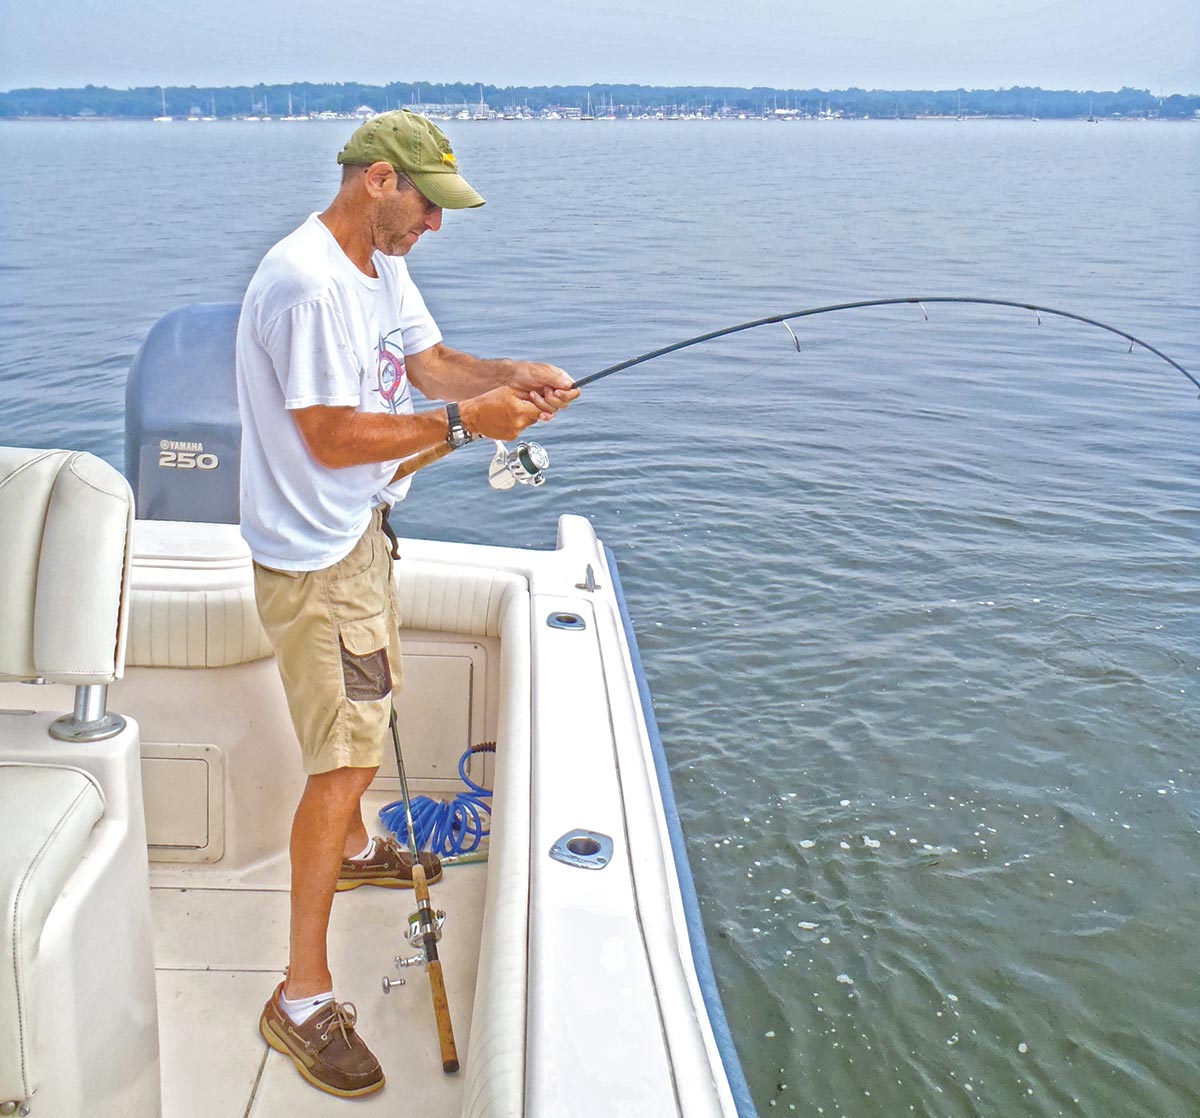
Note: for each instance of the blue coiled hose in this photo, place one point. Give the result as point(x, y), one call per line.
point(446, 827)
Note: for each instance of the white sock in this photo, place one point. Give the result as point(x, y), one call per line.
point(302, 1009)
point(365, 853)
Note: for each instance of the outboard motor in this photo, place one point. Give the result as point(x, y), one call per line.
point(183, 436)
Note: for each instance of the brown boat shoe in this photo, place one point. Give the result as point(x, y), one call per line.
point(388, 866)
point(325, 1049)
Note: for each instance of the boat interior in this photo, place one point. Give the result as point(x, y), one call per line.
point(148, 775)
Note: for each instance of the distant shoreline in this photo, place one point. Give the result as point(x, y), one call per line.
point(301, 101)
point(916, 118)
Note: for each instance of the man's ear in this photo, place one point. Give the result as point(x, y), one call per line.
point(377, 178)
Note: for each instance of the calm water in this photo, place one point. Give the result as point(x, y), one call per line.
point(918, 604)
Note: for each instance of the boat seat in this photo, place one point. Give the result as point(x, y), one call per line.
point(49, 812)
point(192, 601)
point(192, 597)
point(66, 518)
point(452, 600)
point(78, 1016)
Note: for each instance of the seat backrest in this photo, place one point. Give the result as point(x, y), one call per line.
point(66, 522)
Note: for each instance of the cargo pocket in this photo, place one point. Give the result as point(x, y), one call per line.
point(364, 649)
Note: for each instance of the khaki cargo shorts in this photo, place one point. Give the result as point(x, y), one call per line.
point(337, 643)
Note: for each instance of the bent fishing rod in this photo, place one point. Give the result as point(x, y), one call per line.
point(526, 463)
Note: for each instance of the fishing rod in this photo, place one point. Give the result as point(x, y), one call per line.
point(919, 301)
point(527, 462)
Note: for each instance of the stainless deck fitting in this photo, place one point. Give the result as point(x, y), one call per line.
point(89, 721)
point(585, 850)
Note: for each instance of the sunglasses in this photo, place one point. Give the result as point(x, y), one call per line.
point(404, 182)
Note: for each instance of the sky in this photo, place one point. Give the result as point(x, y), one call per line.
point(830, 44)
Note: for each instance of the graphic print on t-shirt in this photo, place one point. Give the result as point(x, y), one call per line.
point(390, 378)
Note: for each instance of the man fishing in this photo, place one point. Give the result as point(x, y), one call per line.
point(333, 335)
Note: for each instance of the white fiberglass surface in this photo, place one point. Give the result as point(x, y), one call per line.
point(220, 952)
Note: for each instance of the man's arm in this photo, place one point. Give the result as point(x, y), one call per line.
point(442, 373)
point(340, 437)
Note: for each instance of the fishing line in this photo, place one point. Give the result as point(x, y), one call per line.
point(776, 360)
point(921, 302)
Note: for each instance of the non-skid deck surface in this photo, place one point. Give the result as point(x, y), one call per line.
point(219, 953)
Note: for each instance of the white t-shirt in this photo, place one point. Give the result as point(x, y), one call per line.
point(316, 330)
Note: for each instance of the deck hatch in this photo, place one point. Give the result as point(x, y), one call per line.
point(183, 789)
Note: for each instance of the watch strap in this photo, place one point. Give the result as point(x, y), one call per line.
point(456, 434)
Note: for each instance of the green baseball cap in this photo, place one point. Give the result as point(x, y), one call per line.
point(419, 148)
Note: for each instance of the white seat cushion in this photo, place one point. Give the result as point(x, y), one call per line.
point(48, 812)
point(193, 597)
point(192, 602)
point(66, 518)
point(452, 599)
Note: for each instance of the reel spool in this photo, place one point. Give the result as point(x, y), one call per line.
point(526, 464)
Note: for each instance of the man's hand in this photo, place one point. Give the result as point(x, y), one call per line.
point(547, 387)
point(533, 377)
point(442, 373)
point(503, 413)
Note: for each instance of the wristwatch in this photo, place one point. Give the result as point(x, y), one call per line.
point(457, 435)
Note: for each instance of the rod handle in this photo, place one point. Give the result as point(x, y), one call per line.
point(419, 461)
point(437, 984)
point(420, 882)
point(441, 1010)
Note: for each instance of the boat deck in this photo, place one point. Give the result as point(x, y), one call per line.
point(220, 948)
point(582, 972)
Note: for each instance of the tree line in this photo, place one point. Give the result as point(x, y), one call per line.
point(344, 97)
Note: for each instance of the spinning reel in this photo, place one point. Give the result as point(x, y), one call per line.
point(416, 939)
point(526, 464)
